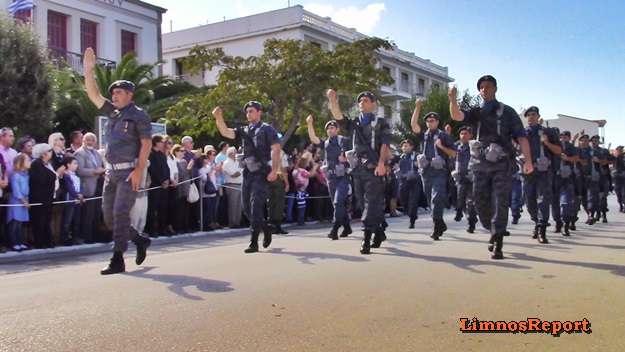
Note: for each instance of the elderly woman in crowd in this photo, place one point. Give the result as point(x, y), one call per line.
point(179, 200)
point(25, 145)
point(43, 183)
point(57, 143)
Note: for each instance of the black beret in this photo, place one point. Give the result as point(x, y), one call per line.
point(430, 115)
point(530, 109)
point(596, 137)
point(331, 123)
point(465, 128)
point(486, 78)
point(365, 94)
point(584, 136)
point(253, 104)
point(566, 133)
point(619, 147)
point(123, 84)
point(407, 141)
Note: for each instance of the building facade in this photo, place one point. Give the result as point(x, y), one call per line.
point(111, 27)
point(577, 124)
point(245, 37)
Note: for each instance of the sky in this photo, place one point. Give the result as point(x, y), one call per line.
point(566, 57)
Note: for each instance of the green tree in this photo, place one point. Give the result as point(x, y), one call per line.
point(26, 78)
point(77, 111)
point(290, 78)
point(437, 101)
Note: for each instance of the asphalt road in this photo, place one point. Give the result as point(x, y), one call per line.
point(307, 293)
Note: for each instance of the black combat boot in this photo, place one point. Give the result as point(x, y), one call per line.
point(378, 237)
point(116, 265)
point(591, 218)
point(515, 220)
point(498, 250)
point(597, 216)
point(458, 215)
point(543, 234)
point(604, 217)
point(267, 232)
point(535, 231)
point(436, 231)
point(471, 226)
point(365, 246)
point(558, 228)
point(565, 229)
point(621, 209)
point(278, 230)
point(253, 243)
point(142, 243)
point(334, 233)
point(347, 230)
point(412, 221)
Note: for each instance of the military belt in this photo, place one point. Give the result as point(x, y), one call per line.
point(122, 166)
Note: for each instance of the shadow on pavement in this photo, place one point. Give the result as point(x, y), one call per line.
point(305, 257)
point(462, 263)
point(614, 269)
point(178, 283)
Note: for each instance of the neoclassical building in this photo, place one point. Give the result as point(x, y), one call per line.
point(245, 37)
point(111, 27)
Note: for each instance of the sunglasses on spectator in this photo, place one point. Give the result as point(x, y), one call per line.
point(61, 138)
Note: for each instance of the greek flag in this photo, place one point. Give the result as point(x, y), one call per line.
point(20, 5)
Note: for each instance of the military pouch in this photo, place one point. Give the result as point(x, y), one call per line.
point(494, 152)
point(252, 165)
point(542, 164)
point(456, 176)
point(423, 161)
point(595, 176)
point(475, 148)
point(411, 175)
point(565, 171)
point(352, 158)
point(438, 163)
point(240, 161)
point(339, 170)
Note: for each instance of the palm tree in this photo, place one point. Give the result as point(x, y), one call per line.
point(74, 107)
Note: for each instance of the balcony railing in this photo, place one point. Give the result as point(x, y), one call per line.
point(196, 80)
point(74, 60)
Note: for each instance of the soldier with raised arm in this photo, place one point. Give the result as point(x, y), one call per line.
point(335, 170)
point(371, 137)
point(129, 140)
point(494, 125)
point(261, 158)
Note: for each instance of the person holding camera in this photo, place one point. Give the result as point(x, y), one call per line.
point(371, 136)
point(495, 125)
point(335, 169)
point(538, 186)
point(436, 148)
point(261, 158)
point(410, 186)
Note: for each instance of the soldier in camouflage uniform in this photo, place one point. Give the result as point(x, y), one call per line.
point(335, 170)
point(495, 125)
point(564, 185)
point(606, 178)
point(619, 178)
point(371, 137)
point(129, 140)
point(261, 156)
point(590, 161)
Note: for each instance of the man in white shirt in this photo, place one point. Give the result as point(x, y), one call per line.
point(233, 176)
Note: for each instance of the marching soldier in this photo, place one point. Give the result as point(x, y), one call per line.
point(606, 181)
point(436, 148)
point(590, 158)
point(619, 177)
point(564, 185)
point(464, 179)
point(260, 148)
point(410, 187)
point(371, 138)
point(537, 186)
point(495, 125)
point(335, 169)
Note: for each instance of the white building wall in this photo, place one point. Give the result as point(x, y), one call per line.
point(112, 16)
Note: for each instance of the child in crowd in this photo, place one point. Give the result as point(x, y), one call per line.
point(301, 204)
point(17, 215)
point(72, 191)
